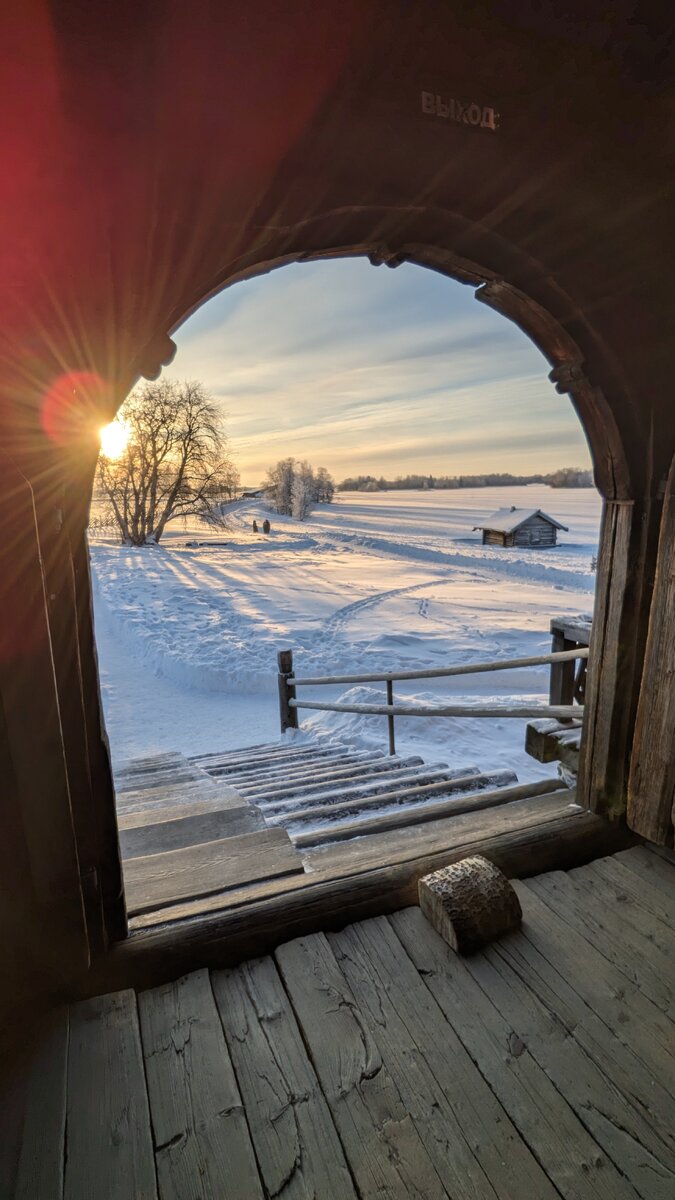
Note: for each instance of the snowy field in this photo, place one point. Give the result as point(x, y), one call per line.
point(188, 631)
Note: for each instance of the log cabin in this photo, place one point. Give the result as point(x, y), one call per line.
point(152, 156)
point(520, 527)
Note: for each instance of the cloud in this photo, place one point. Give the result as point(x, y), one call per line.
point(363, 369)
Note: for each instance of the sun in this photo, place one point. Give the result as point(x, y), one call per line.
point(114, 438)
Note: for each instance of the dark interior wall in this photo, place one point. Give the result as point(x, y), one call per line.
point(155, 152)
point(168, 147)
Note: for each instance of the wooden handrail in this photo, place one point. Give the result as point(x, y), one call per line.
point(561, 712)
point(507, 664)
point(289, 704)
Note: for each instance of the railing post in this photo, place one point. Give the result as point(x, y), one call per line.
point(390, 718)
point(288, 716)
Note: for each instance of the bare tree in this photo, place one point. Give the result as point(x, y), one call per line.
point(324, 486)
point(175, 462)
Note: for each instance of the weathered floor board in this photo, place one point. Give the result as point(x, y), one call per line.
point(628, 1014)
point(297, 1147)
point(381, 1140)
point(470, 1139)
point(202, 1143)
point(647, 865)
point(574, 1161)
point(644, 1107)
point(109, 1143)
point(639, 889)
point(41, 1157)
point(643, 962)
point(373, 1063)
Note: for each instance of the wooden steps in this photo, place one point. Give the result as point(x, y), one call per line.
point(203, 829)
point(186, 835)
point(327, 794)
point(373, 1061)
point(361, 825)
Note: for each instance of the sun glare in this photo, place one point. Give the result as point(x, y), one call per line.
point(114, 438)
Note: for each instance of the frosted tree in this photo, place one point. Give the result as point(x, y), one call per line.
point(279, 486)
point(293, 487)
point(303, 491)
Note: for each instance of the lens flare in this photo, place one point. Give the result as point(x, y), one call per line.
point(70, 407)
point(114, 438)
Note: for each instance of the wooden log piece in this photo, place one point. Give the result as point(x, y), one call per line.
point(470, 903)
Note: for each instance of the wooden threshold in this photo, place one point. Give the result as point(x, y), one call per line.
point(351, 881)
point(156, 880)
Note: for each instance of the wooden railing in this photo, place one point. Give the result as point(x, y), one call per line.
point(289, 682)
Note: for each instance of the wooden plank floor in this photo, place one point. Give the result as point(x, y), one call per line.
point(375, 1063)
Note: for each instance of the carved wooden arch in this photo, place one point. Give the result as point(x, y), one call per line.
point(580, 365)
point(511, 283)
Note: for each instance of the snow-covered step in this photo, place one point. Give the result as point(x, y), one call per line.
point(259, 775)
point(265, 750)
point(149, 762)
point(175, 809)
point(276, 761)
point(429, 808)
point(222, 755)
point(271, 780)
point(168, 797)
point(466, 783)
point(171, 782)
point(148, 780)
point(326, 781)
point(412, 776)
point(274, 753)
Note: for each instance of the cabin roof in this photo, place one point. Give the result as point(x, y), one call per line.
point(506, 520)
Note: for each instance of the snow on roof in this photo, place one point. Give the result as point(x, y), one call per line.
point(506, 520)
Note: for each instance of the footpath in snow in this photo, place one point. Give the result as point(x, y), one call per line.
point(188, 631)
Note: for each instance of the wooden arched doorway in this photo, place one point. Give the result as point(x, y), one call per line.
point(141, 189)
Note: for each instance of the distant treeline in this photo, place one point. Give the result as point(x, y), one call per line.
point(566, 477)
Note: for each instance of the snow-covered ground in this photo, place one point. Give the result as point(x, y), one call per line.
point(188, 631)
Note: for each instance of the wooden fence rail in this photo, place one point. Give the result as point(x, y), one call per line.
point(504, 664)
point(289, 704)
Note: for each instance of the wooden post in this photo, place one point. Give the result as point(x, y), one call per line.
point(390, 718)
point(651, 785)
point(35, 779)
point(561, 686)
point(288, 716)
point(628, 544)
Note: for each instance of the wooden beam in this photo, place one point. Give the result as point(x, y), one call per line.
point(157, 837)
point(651, 785)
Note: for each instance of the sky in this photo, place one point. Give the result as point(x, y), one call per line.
point(368, 370)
